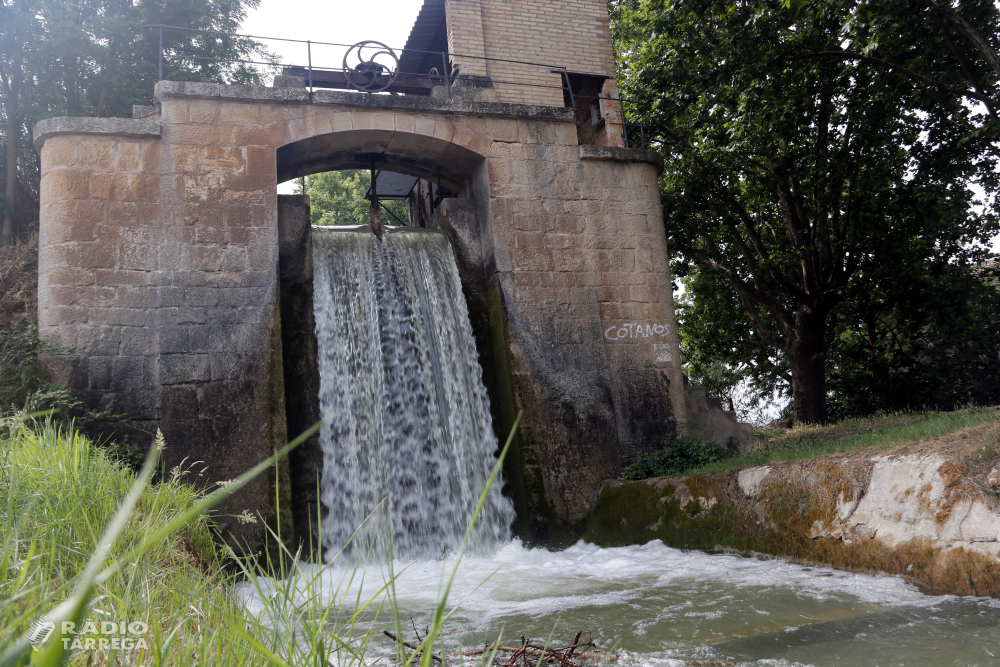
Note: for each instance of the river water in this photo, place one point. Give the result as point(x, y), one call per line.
point(407, 428)
point(664, 607)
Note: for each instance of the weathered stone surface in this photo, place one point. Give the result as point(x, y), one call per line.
point(617, 154)
point(707, 420)
point(563, 259)
point(116, 127)
point(918, 496)
point(750, 479)
point(188, 89)
point(140, 111)
point(924, 511)
point(301, 370)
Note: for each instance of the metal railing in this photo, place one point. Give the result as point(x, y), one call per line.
point(377, 67)
point(373, 67)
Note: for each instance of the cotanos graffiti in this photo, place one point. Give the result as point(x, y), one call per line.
point(634, 330)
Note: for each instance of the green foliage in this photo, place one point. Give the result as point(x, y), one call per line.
point(24, 390)
point(812, 189)
point(676, 457)
point(19, 376)
point(937, 347)
point(338, 198)
point(83, 538)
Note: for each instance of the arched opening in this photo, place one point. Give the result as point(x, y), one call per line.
point(429, 157)
point(445, 176)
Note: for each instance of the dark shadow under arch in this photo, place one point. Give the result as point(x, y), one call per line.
point(430, 158)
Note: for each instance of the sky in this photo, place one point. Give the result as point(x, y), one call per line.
point(334, 21)
point(340, 21)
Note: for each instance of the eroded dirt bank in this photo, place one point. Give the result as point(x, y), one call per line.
point(929, 511)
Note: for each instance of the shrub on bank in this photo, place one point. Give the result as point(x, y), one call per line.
point(675, 458)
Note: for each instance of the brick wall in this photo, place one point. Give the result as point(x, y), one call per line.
point(570, 34)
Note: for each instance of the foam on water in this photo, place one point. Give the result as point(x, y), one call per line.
point(407, 420)
point(495, 587)
point(408, 429)
point(666, 606)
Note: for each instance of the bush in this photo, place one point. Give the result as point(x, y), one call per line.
point(19, 377)
point(23, 388)
point(675, 458)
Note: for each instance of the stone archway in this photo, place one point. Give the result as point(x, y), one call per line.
point(429, 157)
point(159, 259)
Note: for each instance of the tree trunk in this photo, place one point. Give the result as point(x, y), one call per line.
point(13, 138)
point(807, 358)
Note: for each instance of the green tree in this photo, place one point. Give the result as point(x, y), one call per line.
point(338, 198)
point(92, 58)
point(806, 193)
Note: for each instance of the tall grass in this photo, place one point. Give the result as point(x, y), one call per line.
point(83, 538)
point(873, 434)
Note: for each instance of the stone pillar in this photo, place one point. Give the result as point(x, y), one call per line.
point(301, 373)
point(162, 285)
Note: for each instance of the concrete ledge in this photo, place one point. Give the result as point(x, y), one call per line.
point(118, 127)
point(621, 155)
point(167, 89)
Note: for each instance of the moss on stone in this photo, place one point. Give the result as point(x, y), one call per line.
point(709, 512)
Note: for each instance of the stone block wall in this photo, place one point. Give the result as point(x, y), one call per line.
point(159, 268)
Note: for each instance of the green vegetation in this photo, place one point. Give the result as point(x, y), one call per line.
point(59, 492)
point(338, 198)
point(19, 376)
point(692, 456)
point(824, 164)
point(25, 390)
point(84, 539)
point(709, 510)
point(676, 457)
point(876, 433)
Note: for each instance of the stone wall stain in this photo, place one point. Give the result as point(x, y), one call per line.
point(913, 514)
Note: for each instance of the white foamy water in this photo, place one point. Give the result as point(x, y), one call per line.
point(666, 606)
point(406, 417)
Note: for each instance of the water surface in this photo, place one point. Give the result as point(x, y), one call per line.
point(666, 606)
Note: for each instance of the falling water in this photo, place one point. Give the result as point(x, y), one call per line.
point(407, 418)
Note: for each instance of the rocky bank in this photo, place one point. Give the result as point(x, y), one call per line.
point(929, 512)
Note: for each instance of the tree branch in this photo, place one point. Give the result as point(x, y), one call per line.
point(908, 73)
point(970, 33)
point(749, 294)
point(741, 213)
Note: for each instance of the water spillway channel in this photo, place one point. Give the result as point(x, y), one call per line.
point(407, 420)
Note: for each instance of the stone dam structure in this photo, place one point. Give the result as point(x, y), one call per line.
point(179, 282)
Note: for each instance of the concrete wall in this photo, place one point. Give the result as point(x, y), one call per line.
point(159, 259)
point(706, 419)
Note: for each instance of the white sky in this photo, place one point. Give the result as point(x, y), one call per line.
point(338, 21)
point(345, 22)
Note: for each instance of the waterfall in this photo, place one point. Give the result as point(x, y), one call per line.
point(407, 419)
